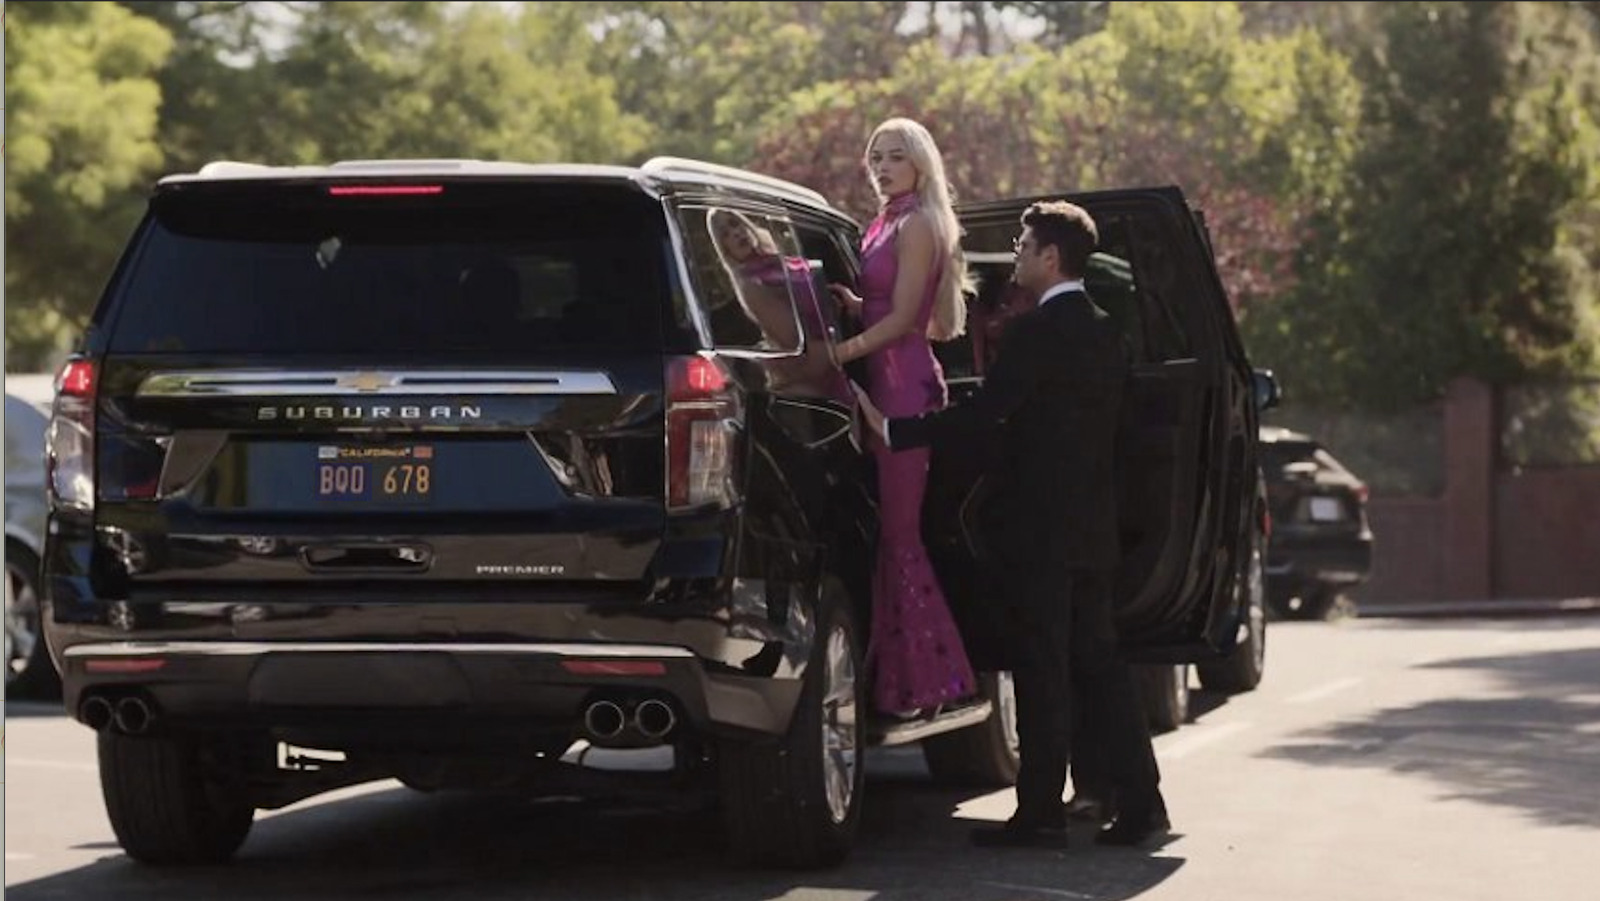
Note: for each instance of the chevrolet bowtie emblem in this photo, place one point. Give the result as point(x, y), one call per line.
point(367, 381)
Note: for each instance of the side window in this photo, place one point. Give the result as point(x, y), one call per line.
point(746, 267)
point(830, 264)
point(1134, 278)
point(1109, 280)
point(997, 300)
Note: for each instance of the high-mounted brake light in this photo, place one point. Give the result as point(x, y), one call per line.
point(383, 190)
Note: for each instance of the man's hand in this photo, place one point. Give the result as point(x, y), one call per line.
point(869, 412)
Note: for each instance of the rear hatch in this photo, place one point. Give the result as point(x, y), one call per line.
point(386, 389)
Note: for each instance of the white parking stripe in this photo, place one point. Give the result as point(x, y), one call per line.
point(1193, 738)
point(1322, 691)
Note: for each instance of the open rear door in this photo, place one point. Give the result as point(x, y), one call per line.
point(1154, 275)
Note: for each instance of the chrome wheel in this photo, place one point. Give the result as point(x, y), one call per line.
point(1257, 614)
point(841, 748)
point(22, 619)
point(1005, 702)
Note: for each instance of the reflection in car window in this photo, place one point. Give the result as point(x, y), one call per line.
point(1138, 277)
point(739, 261)
point(762, 293)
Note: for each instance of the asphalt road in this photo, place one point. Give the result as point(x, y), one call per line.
point(1380, 759)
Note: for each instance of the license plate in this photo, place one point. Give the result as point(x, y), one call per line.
point(1326, 509)
point(380, 475)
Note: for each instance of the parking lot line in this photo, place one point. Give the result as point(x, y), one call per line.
point(1193, 739)
point(1323, 691)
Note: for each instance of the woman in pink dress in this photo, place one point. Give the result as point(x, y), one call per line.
point(912, 276)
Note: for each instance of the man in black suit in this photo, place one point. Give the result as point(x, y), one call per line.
point(1053, 397)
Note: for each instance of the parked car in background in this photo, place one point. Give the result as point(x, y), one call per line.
point(1321, 544)
point(29, 671)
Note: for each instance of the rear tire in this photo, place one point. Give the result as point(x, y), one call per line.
point(795, 801)
point(1242, 669)
point(981, 756)
point(167, 801)
point(30, 673)
point(1165, 691)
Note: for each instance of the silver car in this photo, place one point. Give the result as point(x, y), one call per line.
point(29, 670)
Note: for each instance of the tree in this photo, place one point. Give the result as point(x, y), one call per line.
point(82, 101)
point(1064, 21)
point(705, 74)
point(1165, 93)
point(1468, 245)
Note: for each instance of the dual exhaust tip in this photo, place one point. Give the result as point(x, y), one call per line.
point(131, 715)
point(651, 719)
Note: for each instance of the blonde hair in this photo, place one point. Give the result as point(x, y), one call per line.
point(949, 318)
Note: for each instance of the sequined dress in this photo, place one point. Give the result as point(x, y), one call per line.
point(916, 651)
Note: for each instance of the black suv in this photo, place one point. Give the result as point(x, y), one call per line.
point(492, 475)
point(1322, 539)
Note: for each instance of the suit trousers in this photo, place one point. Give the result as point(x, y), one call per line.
point(1067, 653)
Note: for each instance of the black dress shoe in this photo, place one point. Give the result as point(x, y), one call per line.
point(1133, 828)
point(1084, 808)
point(1014, 835)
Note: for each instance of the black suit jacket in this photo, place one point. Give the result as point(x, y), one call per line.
point(1051, 401)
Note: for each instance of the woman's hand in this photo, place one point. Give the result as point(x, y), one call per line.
point(869, 411)
point(849, 302)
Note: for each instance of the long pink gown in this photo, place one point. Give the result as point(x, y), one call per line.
point(915, 649)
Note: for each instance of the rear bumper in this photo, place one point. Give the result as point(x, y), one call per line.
point(1293, 564)
point(529, 688)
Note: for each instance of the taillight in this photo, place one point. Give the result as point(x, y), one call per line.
point(69, 443)
point(1363, 492)
point(702, 418)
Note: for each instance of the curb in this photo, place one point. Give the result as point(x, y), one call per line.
point(1511, 607)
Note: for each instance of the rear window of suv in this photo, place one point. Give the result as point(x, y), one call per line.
point(501, 268)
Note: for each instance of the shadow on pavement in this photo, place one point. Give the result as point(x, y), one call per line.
point(484, 847)
point(17, 708)
point(1536, 749)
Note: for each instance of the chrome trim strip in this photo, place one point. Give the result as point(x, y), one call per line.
point(250, 648)
point(289, 383)
point(680, 264)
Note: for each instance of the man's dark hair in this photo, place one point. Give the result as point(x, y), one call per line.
point(1068, 228)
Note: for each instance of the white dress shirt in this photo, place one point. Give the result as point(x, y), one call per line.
point(1060, 288)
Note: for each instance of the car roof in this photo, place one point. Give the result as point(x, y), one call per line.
point(662, 174)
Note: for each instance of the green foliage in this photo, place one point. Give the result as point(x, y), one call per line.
point(81, 104)
point(705, 73)
point(1165, 93)
point(1466, 245)
point(1399, 193)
